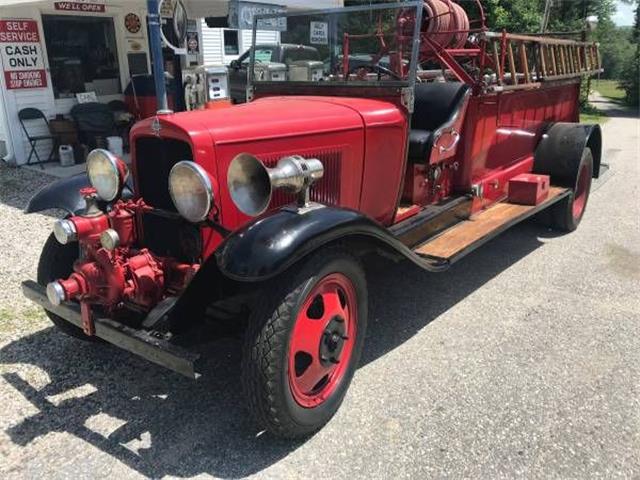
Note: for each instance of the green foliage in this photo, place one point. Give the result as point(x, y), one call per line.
point(521, 16)
point(616, 49)
point(609, 89)
point(630, 74)
point(570, 15)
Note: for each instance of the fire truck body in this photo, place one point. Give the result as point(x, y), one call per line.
point(376, 158)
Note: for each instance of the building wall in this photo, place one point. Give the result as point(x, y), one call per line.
point(43, 98)
point(213, 43)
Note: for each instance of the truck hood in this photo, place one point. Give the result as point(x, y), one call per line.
point(273, 117)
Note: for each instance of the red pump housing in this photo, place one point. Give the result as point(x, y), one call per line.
point(114, 274)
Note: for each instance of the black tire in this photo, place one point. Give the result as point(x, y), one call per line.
point(56, 261)
point(562, 215)
point(265, 359)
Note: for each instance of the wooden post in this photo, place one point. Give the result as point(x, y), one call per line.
point(543, 61)
point(579, 55)
point(524, 61)
point(572, 61)
point(496, 60)
point(512, 64)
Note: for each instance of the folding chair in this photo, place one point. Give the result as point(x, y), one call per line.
point(29, 114)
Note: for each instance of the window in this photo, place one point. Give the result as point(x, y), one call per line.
point(263, 55)
point(300, 53)
point(82, 55)
point(231, 46)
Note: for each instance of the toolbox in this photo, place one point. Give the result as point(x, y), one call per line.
point(528, 189)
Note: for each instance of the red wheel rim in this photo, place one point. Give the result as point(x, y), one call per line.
point(322, 340)
point(581, 192)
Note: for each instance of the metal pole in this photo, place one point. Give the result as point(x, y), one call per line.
point(156, 52)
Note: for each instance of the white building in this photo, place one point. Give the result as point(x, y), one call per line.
point(53, 49)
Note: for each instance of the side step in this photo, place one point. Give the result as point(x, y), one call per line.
point(468, 235)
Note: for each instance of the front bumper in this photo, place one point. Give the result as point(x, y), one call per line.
point(139, 342)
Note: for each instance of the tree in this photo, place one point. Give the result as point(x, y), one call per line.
point(522, 16)
point(631, 72)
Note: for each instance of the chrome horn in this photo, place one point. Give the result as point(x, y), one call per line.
point(251, 184)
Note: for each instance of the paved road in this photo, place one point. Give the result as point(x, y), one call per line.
point(522, 361)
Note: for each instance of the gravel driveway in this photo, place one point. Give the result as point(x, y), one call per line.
point(521, 361)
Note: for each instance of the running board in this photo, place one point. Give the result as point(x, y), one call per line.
point(466, 236)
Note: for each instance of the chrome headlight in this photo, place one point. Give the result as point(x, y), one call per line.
point(107, 173)
point(191, 191)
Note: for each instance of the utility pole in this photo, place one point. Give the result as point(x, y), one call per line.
point(545, 17)
point(156, 53)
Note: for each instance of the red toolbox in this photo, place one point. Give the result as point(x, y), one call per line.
point(528, 189)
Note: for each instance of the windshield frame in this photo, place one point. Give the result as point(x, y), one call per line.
point(410, 81)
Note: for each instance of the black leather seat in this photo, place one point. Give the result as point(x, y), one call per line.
point(434, 104)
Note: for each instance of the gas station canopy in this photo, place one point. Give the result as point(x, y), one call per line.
point(220, 8)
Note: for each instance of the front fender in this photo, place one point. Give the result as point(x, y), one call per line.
point(63, 194)
point(271, 244)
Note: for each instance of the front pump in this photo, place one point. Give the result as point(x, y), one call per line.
point(113, 272)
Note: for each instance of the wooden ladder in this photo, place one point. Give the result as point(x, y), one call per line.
point(524, 61)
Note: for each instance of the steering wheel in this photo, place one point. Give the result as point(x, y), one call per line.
point(375, 68)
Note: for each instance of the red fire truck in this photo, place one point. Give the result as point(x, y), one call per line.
point(420, 136)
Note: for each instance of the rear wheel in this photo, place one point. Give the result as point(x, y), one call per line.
point(566, 214)
point(56, 261)
point(303, 344)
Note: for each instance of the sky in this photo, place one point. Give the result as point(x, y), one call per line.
point(624, 15)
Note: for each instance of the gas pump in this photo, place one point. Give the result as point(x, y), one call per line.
point(206, 86)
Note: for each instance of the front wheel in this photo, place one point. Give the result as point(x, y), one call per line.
point(303, 344)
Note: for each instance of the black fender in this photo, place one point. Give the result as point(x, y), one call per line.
point(269, 245)
point(559, 151)
point(64, 194)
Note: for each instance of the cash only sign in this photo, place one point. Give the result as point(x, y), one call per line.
point(21, 52)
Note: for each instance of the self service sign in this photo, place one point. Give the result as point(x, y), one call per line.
point(21, 54)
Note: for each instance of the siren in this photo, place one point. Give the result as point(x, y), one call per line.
point(251, 184)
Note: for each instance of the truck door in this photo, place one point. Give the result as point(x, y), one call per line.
point(238, 77)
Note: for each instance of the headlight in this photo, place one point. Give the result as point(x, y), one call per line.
point(107, 173)
point(191, 191)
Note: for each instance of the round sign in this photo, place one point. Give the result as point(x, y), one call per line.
point(174, 29)
point(180, 22)
point(132, 23)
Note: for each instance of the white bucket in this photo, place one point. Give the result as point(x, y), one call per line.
point(65, 153)
point(115, 145)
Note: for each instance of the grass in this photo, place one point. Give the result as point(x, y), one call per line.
point(609, 89)
point(15, 320)
point(591, 118)
point(590, 114)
